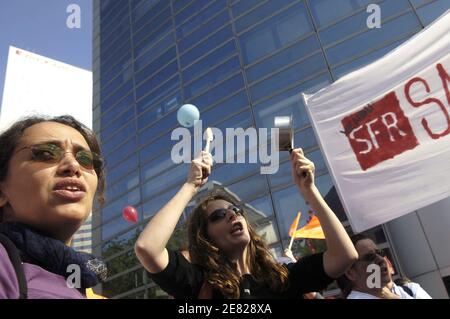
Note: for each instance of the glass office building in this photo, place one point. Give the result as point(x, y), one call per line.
point(241, 62)
point(82, 240)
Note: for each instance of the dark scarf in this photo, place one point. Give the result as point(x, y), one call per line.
point(53, 255)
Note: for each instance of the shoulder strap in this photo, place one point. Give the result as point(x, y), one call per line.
point(16, 261)
point(407, 290)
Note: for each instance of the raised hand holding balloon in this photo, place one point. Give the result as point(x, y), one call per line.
point(187, 116)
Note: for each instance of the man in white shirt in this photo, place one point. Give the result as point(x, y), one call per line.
point(359, 282)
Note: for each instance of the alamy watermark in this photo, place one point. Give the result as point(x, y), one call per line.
point(74, 19)
point(374, 19)
point(235, 145)
point(74, 279)
point(374, 279)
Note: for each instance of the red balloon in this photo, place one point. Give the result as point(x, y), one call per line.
point(130, 214)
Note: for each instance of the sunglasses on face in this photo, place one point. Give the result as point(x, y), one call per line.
point(371, 256)
point(51, 153)
point(220, 213)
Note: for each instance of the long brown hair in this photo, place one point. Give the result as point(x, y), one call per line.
point(220, 272)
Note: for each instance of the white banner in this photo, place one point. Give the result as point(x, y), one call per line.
point(36, 85)
point(385, 130)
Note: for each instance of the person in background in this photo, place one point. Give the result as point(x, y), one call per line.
point(355, 282)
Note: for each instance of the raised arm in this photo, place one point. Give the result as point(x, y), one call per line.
point(341, 253)
point(150, 248)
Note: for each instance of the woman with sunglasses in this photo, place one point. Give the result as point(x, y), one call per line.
point(370, 277)
point(50, 171)
point(228, 259)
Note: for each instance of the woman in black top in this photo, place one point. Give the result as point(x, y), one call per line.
point(227, 258)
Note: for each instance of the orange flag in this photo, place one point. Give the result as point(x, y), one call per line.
point(311, 230)
point(294, 224)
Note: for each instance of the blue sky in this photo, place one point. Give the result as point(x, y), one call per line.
point(40, 26)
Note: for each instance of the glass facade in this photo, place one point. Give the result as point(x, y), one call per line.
point(241, 63)
point(82, 240)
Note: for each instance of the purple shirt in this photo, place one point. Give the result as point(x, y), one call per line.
point(42, 284)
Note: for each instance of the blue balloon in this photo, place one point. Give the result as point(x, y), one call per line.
point(187, 115)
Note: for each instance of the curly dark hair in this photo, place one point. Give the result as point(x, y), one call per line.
point(10, 138)
point(220, 272)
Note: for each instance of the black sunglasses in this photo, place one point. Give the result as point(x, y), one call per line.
point(371, 256)
point(220, 213)
point(51, 153)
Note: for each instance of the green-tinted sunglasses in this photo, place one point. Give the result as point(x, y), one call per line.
point(51, 153)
